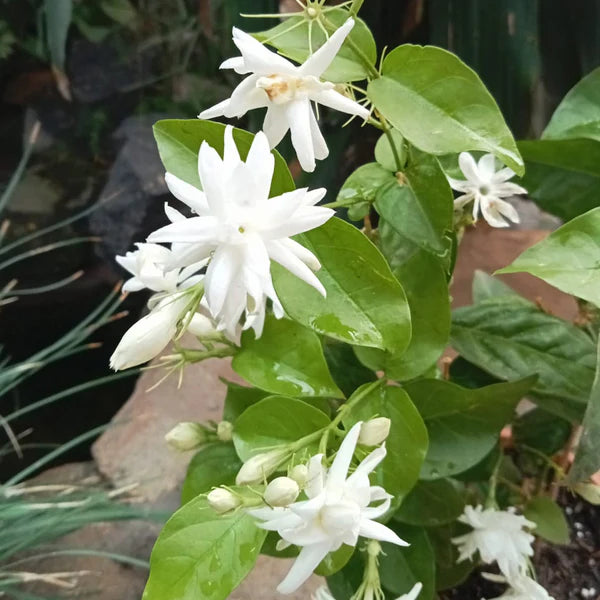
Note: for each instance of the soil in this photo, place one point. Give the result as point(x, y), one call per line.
point(569, 572)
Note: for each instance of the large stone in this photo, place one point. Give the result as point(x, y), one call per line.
point(133, 450)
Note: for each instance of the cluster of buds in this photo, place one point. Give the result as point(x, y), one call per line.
point(189, 435)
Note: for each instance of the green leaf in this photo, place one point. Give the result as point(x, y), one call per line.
point(363, 184)
point(238, 399)
point(335, 561)
point(57, 15)
point(587, 457)
point(213, 465)
point(463, 424)
point(448, 572)
point(424, 281)
point(200, 553)
point(400, 568)
point(179, 142)
point(428, 85)
point(419, 206)
point(345, 368)
point(569, 258)
point(431, 504)
point(510, 338)
point(486, 286)
point(365, 304)
point(291, 39)
point(549, 518)
point(384, 154)
point(275, 421)
point(541, 430)
point(406, 444)
point(468, 375)
point(287, 359)
point(563, 176)
point(578, 115)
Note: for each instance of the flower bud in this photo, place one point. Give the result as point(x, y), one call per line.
point(222, 500)
point(186, 436)
point(225, 431)
point(282, 491)
point(203, 327)
point(257, 468)
point(374, 432)
point(300, 475)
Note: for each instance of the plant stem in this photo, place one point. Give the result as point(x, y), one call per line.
point(354, 400)
point(390, 137)
point(356, 6)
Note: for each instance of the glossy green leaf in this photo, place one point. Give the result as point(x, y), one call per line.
point(448, 572)
point(587, 457)
point(509, 337)
point(287, 359)
point(384, 154)
point(549, 518)
point(440, 105)
point(569, 258)
point(365, 304)
point(578, 115)
point(201, 553)
point(431, 504)
point(400, 568)
point(275, 421)
point(468, 375)
point(239, 398)
point(213, 465)
point(419, 206)
point(363, 184)
point(424, 281)
point(562, 176)
point(346, 369)
point(291, 38)
point(57, 15)
point(463, 424)
point(406, 444)
point(541, 430)
point(179, 142)
point(335, 561)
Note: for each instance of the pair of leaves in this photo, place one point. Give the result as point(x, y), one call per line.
point(440, 105)
point(509, 337)
point(463, 424)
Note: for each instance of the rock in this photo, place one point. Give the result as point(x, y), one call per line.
point(133, 451)
point(489, 249)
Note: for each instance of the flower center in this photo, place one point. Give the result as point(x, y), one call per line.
point(279, 88)
point(484, 190)
point(241, 229)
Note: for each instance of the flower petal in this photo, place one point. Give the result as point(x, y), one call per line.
point(377, 531)
point(195, 229)
point(218, 110)
point(260, 164)
point(231, 156)
point(307, 561)
point(223, 269)
point(338, 101)
point(276, 124)
point(368, 464)
point(469, 167)
point(341, 463)
point(258, 58)
point(298, 118)
point(246, 96)
point(319, 61)
point(237, 64)
point(487, 167)
point(491, 213)
point(319, 143)
point(188, 194)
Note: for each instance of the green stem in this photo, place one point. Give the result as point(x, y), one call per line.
point(491, 499)
point(193, 356)
point(356, 6)
point(354, 400)
point(390, 137)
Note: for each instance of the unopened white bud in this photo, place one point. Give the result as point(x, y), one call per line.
point(374, 432)
point(282, 491)
point(203, 327)
point(300, 475)
point(222, 500)
point(259, 467)
point(186, 436)
point(225, 431)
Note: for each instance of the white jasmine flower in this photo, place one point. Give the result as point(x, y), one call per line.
point(497, 535)
point(521, 588)
point(485, 187)
point(287, 91)
point(240, 229)
point(337, 511)
point(149, 336)
point(413, 594)
point(150, 267)
point(257, 468)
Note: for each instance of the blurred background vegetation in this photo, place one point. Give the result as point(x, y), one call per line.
point(96, 74)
